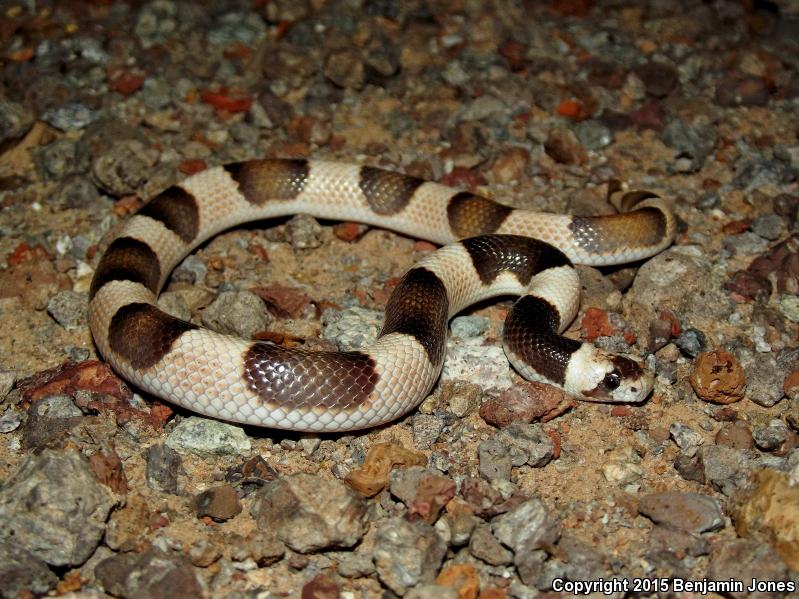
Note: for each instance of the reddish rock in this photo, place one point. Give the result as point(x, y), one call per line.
point(283, 301)
point(107, 467)
point(432, 494)
point(227, 100)
point(320, 587)
point(192, 167)
point(791, 385)
point(525, 402)
point(349, 231)
point(718, 377)
point(372, 476)
point(595, 324)
point(127, 83)
point(463, 578)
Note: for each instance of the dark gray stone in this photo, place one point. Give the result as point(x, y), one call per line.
point(15, 120)
point(55, 508)
point(484, 546)
point(163, 465)
point(309, 513)
point(152, 575)
point(527, 444)
point(240, 313)
point(69, 309)
point(21, 570)
point(772, 436)
point(725, 468)
point(494, 460)
point(407, 553)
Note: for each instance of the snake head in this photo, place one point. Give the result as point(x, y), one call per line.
point(607, 377)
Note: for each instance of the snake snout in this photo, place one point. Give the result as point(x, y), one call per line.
point(620, 380)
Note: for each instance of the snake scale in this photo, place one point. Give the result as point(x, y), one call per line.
point(490, 250)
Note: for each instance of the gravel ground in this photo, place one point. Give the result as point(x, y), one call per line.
point(493, 487)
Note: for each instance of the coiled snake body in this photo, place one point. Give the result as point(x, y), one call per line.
point(501, 251)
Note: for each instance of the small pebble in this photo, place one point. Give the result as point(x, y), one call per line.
point(356, 565)
point(426, 429)
point(527, 444)
point(766, 378)
point(208, 438)
point(724, 468)
point(7, 380)
point(240, 313)
point(143, 575)
point(769, 226)
point(406, 553)
point(10, 421)
point(736, 435)
point(593, 134)
point(309, 513)
point(432, 591)
point(467, 327)
point(691, 143)
point(690, 512)
point(163, 465)
point(622, 467)
point(772, 436)
point(739, 90)
point(69, 309)
point(789, 307)
point(22, 573)
point(219, 503)
point(66, 522)
point(718, 377)
point(70, 117)
point(494, 460)
point(691, 342)
point(564, 147)
point(353, 328)
point(261, 546)
point(510, 165)
point(15, 120)
point(191, 270)
point(659, 78)
point(484, 546)
point(686, 438)
point(309, 444)
point(345, 68)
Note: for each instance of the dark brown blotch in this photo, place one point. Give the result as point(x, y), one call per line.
point(522, 256)
point(419, 307)
point(470, 215)
point(267, 180)
point(127, 259)
point(177, 209)
point(295, 379)
point(385, 191)
point(142, 334)
point(628, 369)
point(625, 371)
point(531, 332)
point(643, 228)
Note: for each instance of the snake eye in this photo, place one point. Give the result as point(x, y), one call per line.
point(612, 380)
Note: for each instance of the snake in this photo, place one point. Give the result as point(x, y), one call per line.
point(488, 250)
